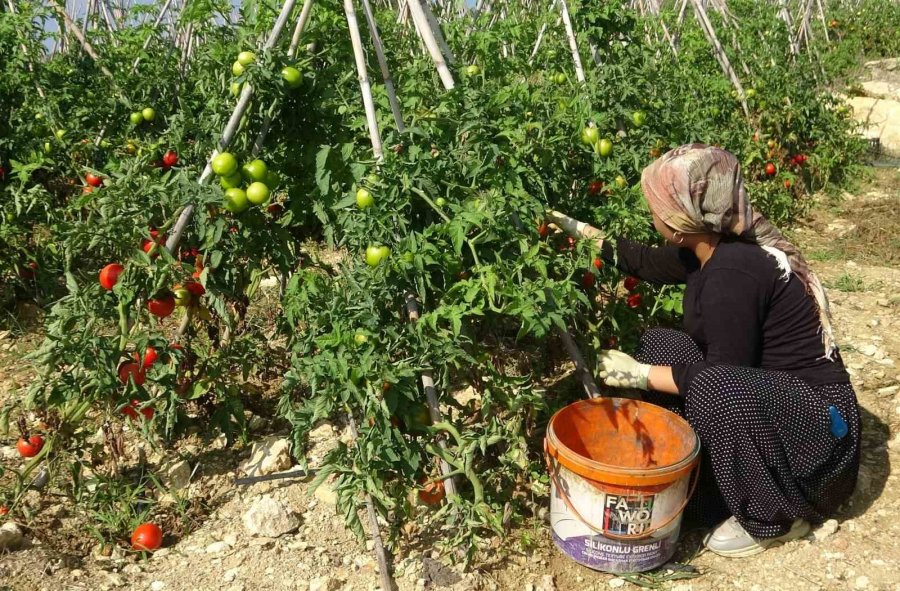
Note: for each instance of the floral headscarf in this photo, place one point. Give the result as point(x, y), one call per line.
point(699, 188)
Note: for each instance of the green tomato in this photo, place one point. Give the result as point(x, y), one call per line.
point(473, 70)
point(225, 164)
point(440, 202)
point(364, 198)
point(292, 76)
point(560, 78)
point(235, 88)
point(257, 193)
point(604, 147)
point(232, 181)
point(751, 92)
point(639, 118)
point(136, 118)
point(148, 114)
point(621, 182)
point(60, 134)
point(182, 297)
point(237, 68)
point(10, 217)
point(236, 200)
point(47, 148)
point(360, 339)
point(590, 136)
point(245, 58)
point(375, 254)
point(255, 170)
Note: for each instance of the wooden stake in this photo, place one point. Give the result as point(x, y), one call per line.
point(437, 32)
point(434, 408)
point(382, 63)
point(573, 42)
point(710, 33)
point(427, 36)
point(362, 73)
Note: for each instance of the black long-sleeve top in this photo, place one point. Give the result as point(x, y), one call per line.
point(738, 308)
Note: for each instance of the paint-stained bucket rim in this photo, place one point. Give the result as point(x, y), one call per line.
point(601, 472)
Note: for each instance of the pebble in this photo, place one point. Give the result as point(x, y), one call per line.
point(270, 518)
point(889, 390)
point(862, 582)
point(10, 536)
point(869, 350)
point(157, 586)
point(828, 529)
point(218, 547)
point(325, 583)
point(616, 583)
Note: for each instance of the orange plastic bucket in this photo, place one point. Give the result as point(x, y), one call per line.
point(621, 474)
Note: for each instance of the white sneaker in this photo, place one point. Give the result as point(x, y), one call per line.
point(731, 540)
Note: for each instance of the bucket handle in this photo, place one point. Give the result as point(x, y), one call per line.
point(600, 530)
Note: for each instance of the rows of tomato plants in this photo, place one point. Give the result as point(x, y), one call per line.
point(155, 344)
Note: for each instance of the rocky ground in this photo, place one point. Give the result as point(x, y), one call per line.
point(276, 535)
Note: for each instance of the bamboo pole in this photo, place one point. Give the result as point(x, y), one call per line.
point(573, 43)
point(383, 65)
point(74, 28)
point(362, 73)
point(720, 54)
point(159, 18)
point(824, 24)
point(435, 27)
point(230, 129)
point(431, 398)
point(427, 37)
point(300, 27)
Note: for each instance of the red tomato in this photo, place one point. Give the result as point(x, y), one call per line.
point(4, 510)
point(93, 180)
point(27, 272)
point(543, 230)
point(587, 280)
point(132, 408)
point(274, 208)
point(612, 343)
point(631, 283)
point(109, 275)
point(634, 300)
point(197, 290)
point(170, 159)
point(150, 356)
point(787, 183)
point(595, 188)
point(28, 448)
point(770, 169)
point(432, 493)
point(598, 263)
point(132, 370)
point(146, 537)
point(162, 306)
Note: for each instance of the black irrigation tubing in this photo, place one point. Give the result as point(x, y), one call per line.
point(280, 476)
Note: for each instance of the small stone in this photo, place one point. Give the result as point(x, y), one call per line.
point(115, 580)
point(827, 529)
point(132, 569)
point(370, 545)
point(10, 536)
point(175, 475)
point(270, 518)
point(324, 584)
point(861, 582)
point(230, 575)
point(75, 573)
point(268, 456)
point(889, 390)
point(869, 350)
point(218, 547)
point(884, 303)
point(326, 494)
point(157, 586)
point(547, 583)
point(616, 583)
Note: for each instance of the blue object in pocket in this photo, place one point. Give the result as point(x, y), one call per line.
point(838, 425)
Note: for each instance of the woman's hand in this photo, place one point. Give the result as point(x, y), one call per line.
point(621, 370)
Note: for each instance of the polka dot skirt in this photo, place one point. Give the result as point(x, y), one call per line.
point(769, 456)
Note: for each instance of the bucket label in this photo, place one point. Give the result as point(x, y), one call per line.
point(628, 515)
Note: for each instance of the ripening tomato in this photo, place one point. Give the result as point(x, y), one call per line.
point(146, 537)
point(595, 188)
point(93, 180)
point(787, 183)
point(170, 158)
point(634, 300)
point(162, 305)
point(109, 275)
point(587, 280)
point(631, 283)
point(598, 263)
point(132, 370)
point(28, 448)
point(4, 510)
point(432, 493)
point(182, 296)
point(612, 342)
point(196, 289)
point(543, 230)
point(87, 190)
point(770, 169)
